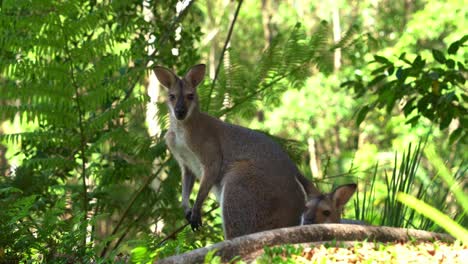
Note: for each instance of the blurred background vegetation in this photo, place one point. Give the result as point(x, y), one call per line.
point(356, 91)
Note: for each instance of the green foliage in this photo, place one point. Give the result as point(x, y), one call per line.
point(406, 180)
point(455, 187)
point(403, 180)
point(87, 183)
point(28, 229)
point(434, 91)
point(280, 254)
point(73, 73)
point(455, 225)
point(365, 206)
point(285, 63)
point(211, 257)
point(438, 217)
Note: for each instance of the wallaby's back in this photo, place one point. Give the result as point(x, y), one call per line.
point(240, 143)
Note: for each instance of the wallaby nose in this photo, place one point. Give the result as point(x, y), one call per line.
point(180, 113)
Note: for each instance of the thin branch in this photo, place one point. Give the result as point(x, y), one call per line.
point(93, 227)
point(221, 56)
point(82, 134)
point(175, 232)
point(127, 229)
point(138, 219)
point(132, 202)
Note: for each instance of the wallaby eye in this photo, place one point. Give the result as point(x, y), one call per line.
point(190, 96)
point(171, 97)
point(326, 212)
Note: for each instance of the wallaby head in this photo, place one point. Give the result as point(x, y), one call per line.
point(182, 92)
point(327, 208)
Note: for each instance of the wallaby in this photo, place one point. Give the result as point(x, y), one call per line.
point(255, 182)
point(327, 208)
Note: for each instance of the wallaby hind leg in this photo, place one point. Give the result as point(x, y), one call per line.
point(239, 215)
point(244, 212)
point(251, 203)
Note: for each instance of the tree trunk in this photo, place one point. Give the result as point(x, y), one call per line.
point(314, 167)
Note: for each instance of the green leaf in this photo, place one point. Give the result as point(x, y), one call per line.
point(418, 62)
point(435, 215)
point(10, 190)
point(453, 48)
point(347, 83)
point(445, 120)
point(438, 55)
point(376, 80)
point(211, 256)
point(461, 67)
point(381, 59)
point(402, 56)
point(463, 39)
point(464, 97)
point(391, 69)
point(409, 107)
point(362, 114)
point(138, 254)
point(445, 174)
point(413, 121)
point(460, 78)
point(391, 99)
point(450, 63)
point(455, 135)
point(379, 70)
point(401, 74)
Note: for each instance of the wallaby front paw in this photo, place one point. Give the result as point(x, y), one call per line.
point(188, 214)
point(195, 220)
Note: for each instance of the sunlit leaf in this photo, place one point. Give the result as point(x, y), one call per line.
point(438, 217)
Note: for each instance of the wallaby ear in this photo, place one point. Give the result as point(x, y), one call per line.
point(165, 76)
point(343, 193)
point(196, 74)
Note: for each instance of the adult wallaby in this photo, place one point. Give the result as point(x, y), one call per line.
point(327, 208)
point(256, 184)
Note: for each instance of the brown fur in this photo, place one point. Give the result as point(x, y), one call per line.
point(256, 183)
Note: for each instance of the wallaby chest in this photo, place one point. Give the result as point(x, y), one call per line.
point(178, 142)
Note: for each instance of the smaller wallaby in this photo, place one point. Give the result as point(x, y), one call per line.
point(327, 208)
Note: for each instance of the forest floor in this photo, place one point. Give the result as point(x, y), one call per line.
point(368, 252)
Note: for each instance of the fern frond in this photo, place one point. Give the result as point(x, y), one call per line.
point(284, 65)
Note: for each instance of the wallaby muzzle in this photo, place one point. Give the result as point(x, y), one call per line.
point(180, 110)
point(180, 114)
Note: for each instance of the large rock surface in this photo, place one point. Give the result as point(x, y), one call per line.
point(246, 246)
